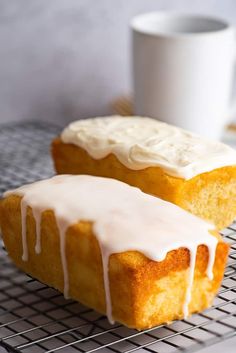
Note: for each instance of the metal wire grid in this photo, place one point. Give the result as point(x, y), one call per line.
point(36, 318)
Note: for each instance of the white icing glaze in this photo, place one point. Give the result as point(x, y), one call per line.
point(124, 218)
point(193, 253)
point(23, 229)
point(140, 142)
point(37, 217)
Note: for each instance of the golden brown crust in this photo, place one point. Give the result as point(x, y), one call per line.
point(211, 195)
point(144, 293)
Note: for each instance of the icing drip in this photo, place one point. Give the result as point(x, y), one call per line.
point(37, 217)
point(62, 233)
point(211, 260)
point(105, 265)
point(129, 220)
point(193, 253)
point(140, 142)
point(23, 230)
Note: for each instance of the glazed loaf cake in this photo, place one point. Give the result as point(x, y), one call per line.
point(140, 260)
point(175, 165)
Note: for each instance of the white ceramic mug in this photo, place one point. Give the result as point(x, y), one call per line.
point(183, 70)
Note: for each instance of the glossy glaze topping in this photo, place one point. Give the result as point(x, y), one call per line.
point(123, 217)
point(140, 142)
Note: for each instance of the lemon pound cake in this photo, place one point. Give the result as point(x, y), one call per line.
point(196, 174)
point(141, 260)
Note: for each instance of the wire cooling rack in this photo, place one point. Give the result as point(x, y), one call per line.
point(35, 318)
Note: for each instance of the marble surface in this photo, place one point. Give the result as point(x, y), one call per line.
point(226, 347)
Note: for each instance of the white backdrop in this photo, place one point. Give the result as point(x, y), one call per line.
point(63, 59)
